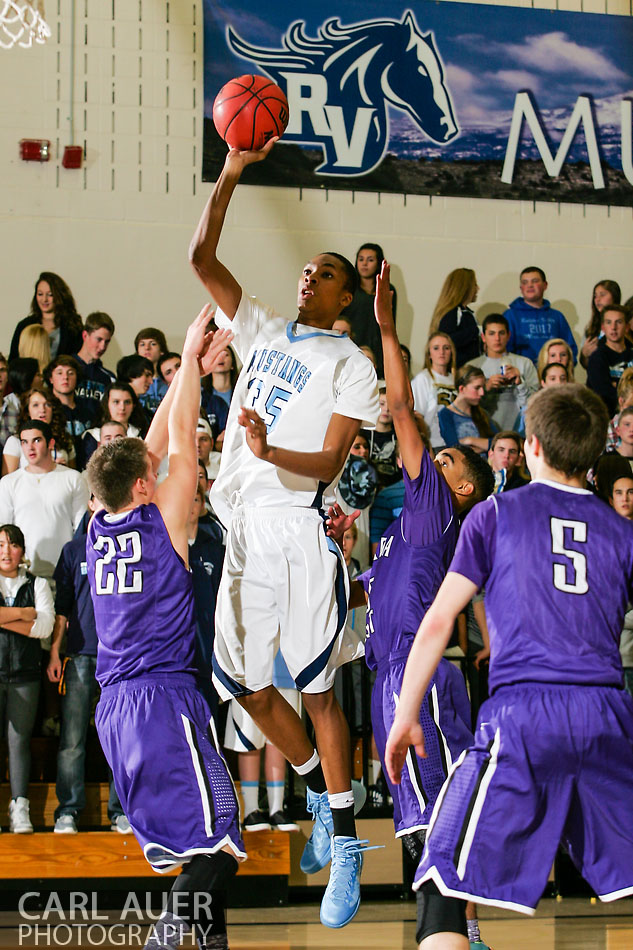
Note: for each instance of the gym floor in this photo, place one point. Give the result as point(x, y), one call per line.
point(570, 924)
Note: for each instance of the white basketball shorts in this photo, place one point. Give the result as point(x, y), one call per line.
point(242, 734)
point(284, 586)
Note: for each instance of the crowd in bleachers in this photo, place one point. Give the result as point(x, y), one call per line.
point(58, 403)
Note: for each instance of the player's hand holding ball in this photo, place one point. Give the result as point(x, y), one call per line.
point(250, 113)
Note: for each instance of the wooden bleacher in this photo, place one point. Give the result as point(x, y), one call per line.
point(105, 854)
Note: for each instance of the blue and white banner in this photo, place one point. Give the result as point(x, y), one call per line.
point(434, 98)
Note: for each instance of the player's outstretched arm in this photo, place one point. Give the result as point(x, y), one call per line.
point(427, 651)
point(175, 495)
point(399, 394)
point(218, 280)
point(156, 439)
point(324, 465)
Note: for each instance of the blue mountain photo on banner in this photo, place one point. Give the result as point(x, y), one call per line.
point(428, 98)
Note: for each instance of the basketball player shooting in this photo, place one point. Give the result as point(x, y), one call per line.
point(303, 393)
point(155, 728)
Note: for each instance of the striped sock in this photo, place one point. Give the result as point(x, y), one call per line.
point(472, 926)
point(275, 792)
point(250, 796)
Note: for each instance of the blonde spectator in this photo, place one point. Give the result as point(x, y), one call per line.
point(556, 350)
point(452, 314)
point(435, 386)
point(35, 343)
point(624, 394)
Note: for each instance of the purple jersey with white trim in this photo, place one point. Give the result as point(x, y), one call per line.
point(557, 565)
point(142, 595)
point(411, 562)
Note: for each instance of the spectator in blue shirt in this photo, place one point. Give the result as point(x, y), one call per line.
point(532, 319)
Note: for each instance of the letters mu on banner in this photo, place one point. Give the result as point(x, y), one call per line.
point(434, 98)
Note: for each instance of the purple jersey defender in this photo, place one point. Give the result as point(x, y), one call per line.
point(411, 562)
point(155, 728)
point(553, 752)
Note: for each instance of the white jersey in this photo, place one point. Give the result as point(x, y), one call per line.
point(295, 377)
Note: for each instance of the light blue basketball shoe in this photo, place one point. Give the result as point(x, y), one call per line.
point(317, 851)
point(342, 895)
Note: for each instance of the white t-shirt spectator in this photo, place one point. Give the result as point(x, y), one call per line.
point(47, 507)
point(430, 391)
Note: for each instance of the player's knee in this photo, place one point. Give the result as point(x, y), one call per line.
point(319, 704)
point(438, 914)
point(259, 703)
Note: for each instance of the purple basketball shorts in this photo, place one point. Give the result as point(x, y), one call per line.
point(159, 738)
point(549, 764)
point(445, 717)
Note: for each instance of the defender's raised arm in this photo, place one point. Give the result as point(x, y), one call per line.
point(399, 395)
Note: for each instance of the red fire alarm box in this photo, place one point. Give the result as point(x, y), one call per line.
point(73, 156)
point(35, 150)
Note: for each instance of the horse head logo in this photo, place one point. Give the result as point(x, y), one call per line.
point(340, 84)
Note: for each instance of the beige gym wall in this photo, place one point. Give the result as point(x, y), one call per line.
point(118, 229)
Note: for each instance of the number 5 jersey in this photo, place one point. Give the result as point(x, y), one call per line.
point(142, 595)
point(557, 566)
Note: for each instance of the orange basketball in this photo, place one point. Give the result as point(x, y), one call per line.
point(250, 110)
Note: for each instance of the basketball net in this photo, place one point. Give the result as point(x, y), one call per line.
point(22, 22)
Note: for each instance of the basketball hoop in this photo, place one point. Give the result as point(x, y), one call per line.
point(22, 22)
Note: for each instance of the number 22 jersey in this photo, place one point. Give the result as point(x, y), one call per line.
point(142, 595)
point(557, 566)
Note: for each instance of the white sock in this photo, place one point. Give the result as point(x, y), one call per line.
point(275, 791)
point(341, 799)
point(312, 763)
point(250, 796)
point(376, 767)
